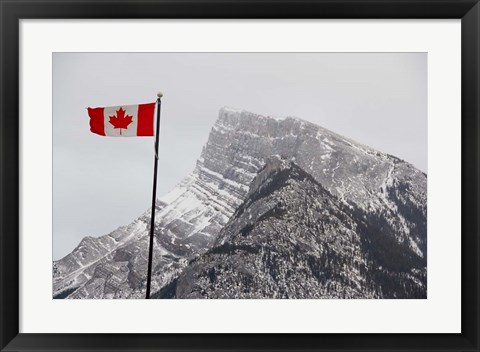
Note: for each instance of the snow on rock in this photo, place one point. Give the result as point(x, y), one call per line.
point(291, 238)
point(189, 218)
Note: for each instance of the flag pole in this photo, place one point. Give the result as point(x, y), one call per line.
point(154, 196)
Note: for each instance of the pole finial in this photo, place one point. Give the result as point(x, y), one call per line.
point(159, 95)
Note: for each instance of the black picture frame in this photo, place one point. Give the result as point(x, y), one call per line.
point(12, 11)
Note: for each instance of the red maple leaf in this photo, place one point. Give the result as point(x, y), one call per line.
point(120, 120)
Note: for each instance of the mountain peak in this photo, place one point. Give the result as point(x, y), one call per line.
point(293, 239)
point(248, 157)
point(238, 114)
point(273, 165)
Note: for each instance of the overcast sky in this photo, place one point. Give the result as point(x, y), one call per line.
point(100, 183)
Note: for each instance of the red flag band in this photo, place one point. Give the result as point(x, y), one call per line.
point(123, 120)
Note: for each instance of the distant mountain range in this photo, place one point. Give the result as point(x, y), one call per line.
point(273, 209)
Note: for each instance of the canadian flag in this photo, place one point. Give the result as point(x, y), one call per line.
point(122, 121)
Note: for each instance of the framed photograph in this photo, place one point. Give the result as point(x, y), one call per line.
point(297, 176)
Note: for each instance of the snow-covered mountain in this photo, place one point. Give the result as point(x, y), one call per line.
point(391, 192)
point(291, 238)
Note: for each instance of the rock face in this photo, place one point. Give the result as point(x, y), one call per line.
point(291, 238)
point(191, 219)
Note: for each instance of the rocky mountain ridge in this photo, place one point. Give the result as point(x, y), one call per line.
point(291, 238)
point(190, 217)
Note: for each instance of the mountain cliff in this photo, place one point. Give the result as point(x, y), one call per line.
point(191, 219)
point(291, 238)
